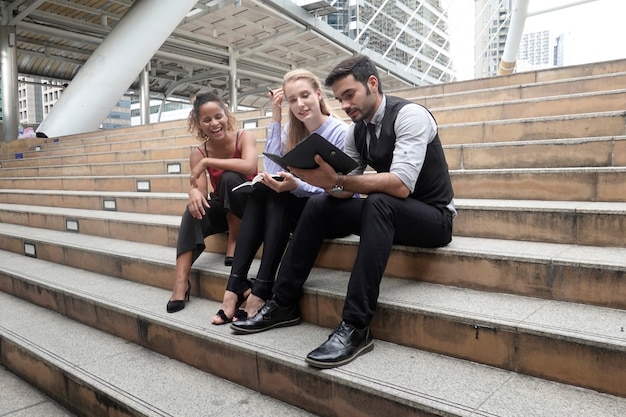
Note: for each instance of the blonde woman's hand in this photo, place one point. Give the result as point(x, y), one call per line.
point(197, 203)
point(277, 101)
point(288, 183)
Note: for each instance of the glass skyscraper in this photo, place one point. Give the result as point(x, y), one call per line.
point(413, 33)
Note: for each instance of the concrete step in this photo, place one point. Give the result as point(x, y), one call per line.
point(147, 167)
point(94, 373)
point(100, 138)
point(574, 79)
point(153, 137)
point(165, 183)
point(585, 127)
point(158, 161)
point(156, 154)
point(571, 222)
point(564, 184)
point(561, 184)
point(10, 148)
point(473, 130)
point(505, 330)
point(21, 399)
point(536, 128)
point(136, 227)
point(569, 152)
point(169, 128)
point(163, 149)
point(507, 127)
point(133, 202)
point(441, 307)
point(585, 152)
point(528, 334)
point(521, 91)
point(539, 77)
point(574, 71)
point(566, 272)
point(588, 102)
point(67, 149)
point(39, 158)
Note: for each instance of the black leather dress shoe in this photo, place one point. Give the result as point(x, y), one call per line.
point(343, 345)
point(270, 316)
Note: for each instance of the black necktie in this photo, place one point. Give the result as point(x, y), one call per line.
point(373, 139)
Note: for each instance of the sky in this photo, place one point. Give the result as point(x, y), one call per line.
point(596, 30)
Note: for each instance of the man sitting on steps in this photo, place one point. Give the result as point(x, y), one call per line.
point(409, 202)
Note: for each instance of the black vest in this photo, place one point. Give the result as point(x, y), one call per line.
point(433, 184)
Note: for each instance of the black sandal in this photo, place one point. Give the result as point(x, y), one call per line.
point(222, 316)
point(240, 314)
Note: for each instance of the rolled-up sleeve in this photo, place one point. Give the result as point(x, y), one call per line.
point(415, 128)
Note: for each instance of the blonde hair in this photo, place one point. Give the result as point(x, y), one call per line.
point(193, 121)
point(297, 131)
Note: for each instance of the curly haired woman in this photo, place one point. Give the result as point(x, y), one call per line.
point(229, 157)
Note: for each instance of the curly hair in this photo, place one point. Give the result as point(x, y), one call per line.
point(193, 121)
point(297, 131)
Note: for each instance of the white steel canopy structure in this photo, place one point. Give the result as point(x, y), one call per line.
point(233, 47)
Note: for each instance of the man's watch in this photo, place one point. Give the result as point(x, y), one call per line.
point(338, 187)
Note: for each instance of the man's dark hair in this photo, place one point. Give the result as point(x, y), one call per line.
point(360, 66)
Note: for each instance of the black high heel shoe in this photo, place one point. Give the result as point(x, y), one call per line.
point(177, 305)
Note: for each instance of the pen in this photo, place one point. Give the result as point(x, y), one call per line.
point(270, 90)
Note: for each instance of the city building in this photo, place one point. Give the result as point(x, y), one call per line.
point(539, 50)
point(493, 18)
point(172, 110)
point(37, 97)
point(119, 115)
point(410, 32)
point(413, 33)
point(30, 100)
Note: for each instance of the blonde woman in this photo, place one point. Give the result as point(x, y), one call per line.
point(229, 157)
point(273, 211)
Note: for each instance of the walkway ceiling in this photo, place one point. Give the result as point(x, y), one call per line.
point(264, 38)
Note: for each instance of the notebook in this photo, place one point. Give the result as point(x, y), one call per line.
point(301, 156)
point(254, 181)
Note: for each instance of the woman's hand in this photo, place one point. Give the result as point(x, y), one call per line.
point(277, 104)
point(288, 183)
point(197, 170)
point(197, 203)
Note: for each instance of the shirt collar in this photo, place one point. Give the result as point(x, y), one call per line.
point(380, 112)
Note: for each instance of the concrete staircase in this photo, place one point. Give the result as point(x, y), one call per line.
point(522, 314)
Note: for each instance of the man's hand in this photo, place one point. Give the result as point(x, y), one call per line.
point(323, 176)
